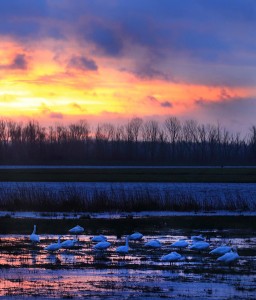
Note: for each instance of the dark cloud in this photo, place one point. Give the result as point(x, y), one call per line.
point(232, 109)
point(213, 74)
point(154, 100)
point(56, 115)
point(47, 111)
point(19, 62)
point(106, 39)
point(145, 70)
point(191, 41)
point(82, 63)
point(166, 104)
point(236, 114)
point(206, 41)
point(195, 28)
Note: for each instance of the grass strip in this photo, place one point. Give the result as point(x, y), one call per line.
point(225, 175)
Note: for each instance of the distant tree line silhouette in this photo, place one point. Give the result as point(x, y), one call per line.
point(138, 142)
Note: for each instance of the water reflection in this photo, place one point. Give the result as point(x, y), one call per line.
point(53, 258)
point(68, 257)
point(34, 254)
point(28, 270)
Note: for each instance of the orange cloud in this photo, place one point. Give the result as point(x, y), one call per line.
point(49, 90)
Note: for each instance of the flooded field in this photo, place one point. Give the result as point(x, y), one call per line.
point(28, 270)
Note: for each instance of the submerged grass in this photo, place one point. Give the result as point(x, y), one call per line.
point(74, 199)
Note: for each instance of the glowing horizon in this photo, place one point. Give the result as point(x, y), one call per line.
point(63, 61)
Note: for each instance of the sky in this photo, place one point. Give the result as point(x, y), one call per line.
point(109, 61)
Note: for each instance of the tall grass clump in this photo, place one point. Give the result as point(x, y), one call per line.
point(74, 199)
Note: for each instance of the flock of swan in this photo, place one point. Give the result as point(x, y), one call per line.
point(225, 253)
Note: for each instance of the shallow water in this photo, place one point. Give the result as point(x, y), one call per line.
point(28, 270)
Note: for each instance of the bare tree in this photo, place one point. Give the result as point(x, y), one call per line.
point(170, 142)
point(190, 131)
point(79, 131)
point(252, 140)
point(202, 136)
point(150, 134)
point(120, 134)
point(15, 131)
point(52, 135)
point(253, 135)
point(30, 132)
point(105, 132)
point(150, 131)
point(61, 134)
point(133, 129)
point(3, 132)
point(173, 127)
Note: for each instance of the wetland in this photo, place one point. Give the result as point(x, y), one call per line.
point(27, 270)
point(218, 203)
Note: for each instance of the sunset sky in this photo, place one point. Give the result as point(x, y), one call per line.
point(112, 60)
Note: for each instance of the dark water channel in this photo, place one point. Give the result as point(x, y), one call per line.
point(28, 270)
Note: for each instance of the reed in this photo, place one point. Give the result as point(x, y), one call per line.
point(73, 199)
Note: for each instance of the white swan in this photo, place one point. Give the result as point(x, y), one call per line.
point(197, 238)
point(153, 244)
point(229, 257)
point(124, 249)
point(34, 238)
point(172, 257)
point(76, 230)
point(101, 246)
point(199, 246)
point(221, 250)
point(68, 244)
point(180, 244)
point(54, 246)
point(136, 236)
point(99, 238)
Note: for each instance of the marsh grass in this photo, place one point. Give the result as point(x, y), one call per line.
point(74, 199)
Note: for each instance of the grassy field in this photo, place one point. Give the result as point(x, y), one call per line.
point(226, 175)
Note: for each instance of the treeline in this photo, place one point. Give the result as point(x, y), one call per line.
point(137, 142)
